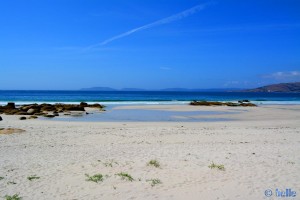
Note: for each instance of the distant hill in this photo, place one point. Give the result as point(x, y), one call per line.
point(281, 87)
point(201, 90)
point(164, 90)
point(98, 89)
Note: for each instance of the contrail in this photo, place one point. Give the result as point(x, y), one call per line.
point(166, 20)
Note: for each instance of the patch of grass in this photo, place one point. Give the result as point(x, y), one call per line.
point(95, 178)
point(33, 177)
point(215, 166)
point(11, 183)
point(125, 176)
point(154, 182)
point(1, 178)
point(110, 163)
point(14, 197)
point(154, 163)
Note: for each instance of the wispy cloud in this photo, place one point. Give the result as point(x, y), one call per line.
point(166, 20)
point(290, 75)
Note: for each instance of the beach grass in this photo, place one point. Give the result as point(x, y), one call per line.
point(154, 182)
point(216, 166)
point(33, 177)
point(154, 163)
point(125, 176)
point(95, 178)
point(14, 197)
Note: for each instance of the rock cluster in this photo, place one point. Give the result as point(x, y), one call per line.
point(47, 110)
point(243, 103)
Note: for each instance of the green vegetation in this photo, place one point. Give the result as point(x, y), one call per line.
point(14, 197)
point(154, 163)
point(95, 178)
point(215, 166)
point(125, 176)
point(154, 182)
point(33, 177)
point(11, 183)
point(1, 178)
point(110, 163)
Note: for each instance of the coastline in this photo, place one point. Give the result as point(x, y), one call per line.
point(259, 150)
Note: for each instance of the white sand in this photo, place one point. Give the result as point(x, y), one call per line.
point(260, 150)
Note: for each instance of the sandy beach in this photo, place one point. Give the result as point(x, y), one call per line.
point(258, 148)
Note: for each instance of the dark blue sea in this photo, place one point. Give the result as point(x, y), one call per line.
point(142, 97)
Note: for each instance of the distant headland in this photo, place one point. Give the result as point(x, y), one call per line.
point(280, 87)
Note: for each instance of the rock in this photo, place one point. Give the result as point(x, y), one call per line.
point(10, 130)
point(244, 101)
point(11, 111)
point(73, 108)
point(21, 113)
point(49, 116)
point(248, 105)
point(215, 103)
point(55, 114)
point(206, 103)
point(0, 118)
point(96, 105)
point(38, 114)
point(31, 111)
point(22, 118)
point(83, 104)
point(47, 107)
point(10, 105)
point(33, 117)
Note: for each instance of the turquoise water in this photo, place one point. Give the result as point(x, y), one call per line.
point(142, 97)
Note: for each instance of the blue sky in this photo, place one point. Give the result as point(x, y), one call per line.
point(73, 44)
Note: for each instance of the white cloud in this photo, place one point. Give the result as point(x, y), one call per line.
point(166, 20)
point(289, 75)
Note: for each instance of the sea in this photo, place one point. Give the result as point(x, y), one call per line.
point(141, 97)
point(114, 99)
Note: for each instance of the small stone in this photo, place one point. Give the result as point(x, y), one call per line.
point(22, 118)
point(33, 117)
point(31, 111)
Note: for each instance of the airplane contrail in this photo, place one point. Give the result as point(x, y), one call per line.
point(166, 20)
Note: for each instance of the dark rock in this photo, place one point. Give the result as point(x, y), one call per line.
point(1, 118)
point(244, 101)
point(10, 105)
point(73, 108)
point(11, 111)
point(215, 103)
point(206, 103)
point(47, 107)
point(33, 117)
point(96, 105)
point(49, 116)
point(38, 114)
point(83, 104)
point(21, 113)
point(248, 105)
point(22, 118)
point(55, 114)
point(231, 104)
